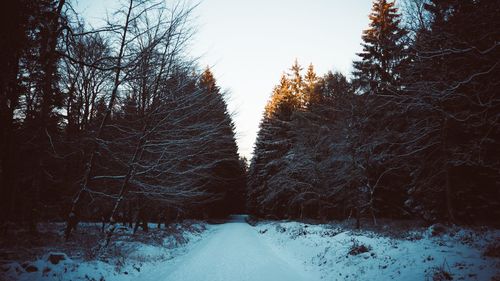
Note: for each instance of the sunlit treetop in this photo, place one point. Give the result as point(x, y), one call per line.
point(294, 92)
point(383, 50)
point(384, 20)
point(208, 83)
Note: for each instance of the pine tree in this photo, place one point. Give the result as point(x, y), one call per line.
point(378, 71)
point(283, 101)
point(377, 119)
point(334, 88)
point(208, 83)
point(38, 79)
point(297, 85)
point(227, 175)
point(273, 142)
point(311, 89)
point(284, 175)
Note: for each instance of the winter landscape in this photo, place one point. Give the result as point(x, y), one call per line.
point(129, 151)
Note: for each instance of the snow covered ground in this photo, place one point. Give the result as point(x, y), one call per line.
point(274, 251)
point(234, 252)
point(231, 251)
point(339, 253)
point(126, 259)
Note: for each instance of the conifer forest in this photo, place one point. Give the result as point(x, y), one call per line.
point(119, 151)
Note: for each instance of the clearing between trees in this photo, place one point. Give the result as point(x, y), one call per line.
point(265, 250)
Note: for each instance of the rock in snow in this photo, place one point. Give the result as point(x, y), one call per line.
point(55, 258)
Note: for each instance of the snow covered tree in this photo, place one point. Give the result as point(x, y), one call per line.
point(291, 174)
point(454, 110)
point(273, 141)
point(377, 78)
point(180, 155)
point(227, 174)
point(269, 188)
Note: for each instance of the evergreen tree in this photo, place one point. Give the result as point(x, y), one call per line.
point(227, 175)
point(283, 101)
point(273, 142)
point(334, 88)
point(284, 175)
point(30, 129)
point(378, 71)
point(453, 105)
point(311, 89)
point(378, 119)
point(297, 84)
point(14, 41)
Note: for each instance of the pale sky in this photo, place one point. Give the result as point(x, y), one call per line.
point(249, 43)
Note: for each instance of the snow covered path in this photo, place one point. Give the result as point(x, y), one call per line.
point(234, 252)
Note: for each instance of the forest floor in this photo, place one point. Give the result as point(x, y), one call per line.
point(266, 250)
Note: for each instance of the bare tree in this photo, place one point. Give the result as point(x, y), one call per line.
point(86, 82)
point(160, 44)
point(123, 59)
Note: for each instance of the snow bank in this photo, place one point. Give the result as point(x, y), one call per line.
point(341, 254)
point(125, 259)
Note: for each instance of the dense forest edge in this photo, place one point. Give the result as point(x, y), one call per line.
point(414, 134)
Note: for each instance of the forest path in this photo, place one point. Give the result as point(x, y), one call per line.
point(233, 252)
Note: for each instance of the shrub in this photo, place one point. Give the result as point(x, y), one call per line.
point(358, 248)
point(441, 273)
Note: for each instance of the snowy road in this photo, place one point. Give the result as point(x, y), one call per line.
point(234, 252)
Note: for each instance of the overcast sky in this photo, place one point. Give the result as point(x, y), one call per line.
point(249, 43)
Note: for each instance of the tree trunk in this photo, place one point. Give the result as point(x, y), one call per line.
point(358, 218)
point(90, 162)
point(448, 188)
point(449, 196)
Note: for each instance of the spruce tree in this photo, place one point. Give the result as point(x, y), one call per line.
point(297, 85)
point(227, 175)
point(311, 89)
point(283, 101)
point(378, 118)
point(273, 142)
point(378, 71)
point(283, 179)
